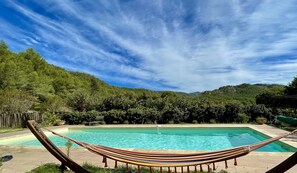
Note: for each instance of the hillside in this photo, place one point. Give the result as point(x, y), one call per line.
point(52, 87)
point(243, 94)
point(28, 73)
point(29, 83)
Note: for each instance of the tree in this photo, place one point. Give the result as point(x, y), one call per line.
point(123, 102)
point(266, 99)
point(114, 116)
point(196, 112)
point(136, 115)
point(172, 115)
point(214, 112)
point(94, 85)
point(231, 113)
point(54, 104)
point(79, 101)
point(3, 48)
point(15, 101)
point(255, 111)
point(291, 89)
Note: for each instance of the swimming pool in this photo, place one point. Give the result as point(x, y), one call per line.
point(165, 138)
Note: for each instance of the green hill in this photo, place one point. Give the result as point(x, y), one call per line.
point(25, 77)
point(195, 93)
point(29, 83)
point(29, 73)
point(243, 94)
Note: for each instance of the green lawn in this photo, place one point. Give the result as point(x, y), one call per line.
point(54, 168)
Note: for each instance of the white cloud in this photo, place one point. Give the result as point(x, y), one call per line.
point(177, 45)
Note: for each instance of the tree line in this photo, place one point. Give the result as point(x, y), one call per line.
point(28, 82)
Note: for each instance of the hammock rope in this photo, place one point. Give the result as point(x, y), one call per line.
point(171, 160)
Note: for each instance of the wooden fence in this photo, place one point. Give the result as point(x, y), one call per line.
point(19, 120)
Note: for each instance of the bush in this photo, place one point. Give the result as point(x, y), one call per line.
point(242, 118)
point(231, 113)
point(79, 117)
point(126, 122)
point(261, 120)
point(171, 122)
point(50, 119)
point(255, 111)
point(212, 121)
point(114, 116)
point(194, 121)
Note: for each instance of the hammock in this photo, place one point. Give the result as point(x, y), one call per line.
point(151, 159)
point(171, 160)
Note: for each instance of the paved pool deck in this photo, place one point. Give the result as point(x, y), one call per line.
point(27, 158)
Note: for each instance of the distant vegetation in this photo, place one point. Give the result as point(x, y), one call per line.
point(243, 94)
point(29, 83)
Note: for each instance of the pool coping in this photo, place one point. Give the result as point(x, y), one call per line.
point(264, 129)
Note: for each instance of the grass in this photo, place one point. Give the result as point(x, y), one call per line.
point(54, 168)
point(9, 129)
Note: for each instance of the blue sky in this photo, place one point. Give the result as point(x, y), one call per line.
point(187, 45)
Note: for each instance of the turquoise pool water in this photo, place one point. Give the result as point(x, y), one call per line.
point(167, 138)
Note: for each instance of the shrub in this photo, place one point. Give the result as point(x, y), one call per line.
point(255, 111)
point(212, 121)
point(114, 116)
point(68, 145)
point(242, 118)
point(80, 117)
point(194, 121)
point(126, 122)
point(170, 122)
point(231, 113)
point(50, 119)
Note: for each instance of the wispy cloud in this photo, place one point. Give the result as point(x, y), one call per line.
point(162, 45)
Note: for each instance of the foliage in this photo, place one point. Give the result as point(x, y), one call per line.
point(114, 116)
point(242, 95)
point(79, 101)
point(281, 101)
point(54, 104)
point(255, 111)
point(242, 118)
point(15, 101)
point(28, 82)
point(79, 117)
point(291, 89)
point(194, 121)
point(68, 145)
point(47, 168)
point(50, 119)
point(231, 113)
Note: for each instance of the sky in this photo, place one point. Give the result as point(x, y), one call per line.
point(178, 45)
